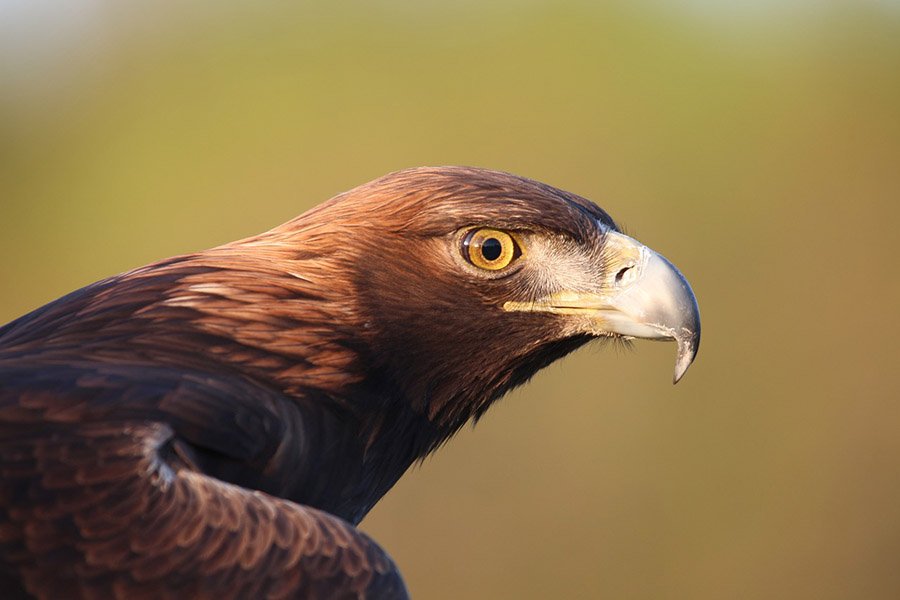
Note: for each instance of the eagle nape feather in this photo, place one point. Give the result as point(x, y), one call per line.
point(215, 425)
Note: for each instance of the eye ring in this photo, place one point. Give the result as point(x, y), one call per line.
point(490, 249)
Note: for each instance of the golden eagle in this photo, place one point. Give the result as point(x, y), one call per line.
point(214, 425)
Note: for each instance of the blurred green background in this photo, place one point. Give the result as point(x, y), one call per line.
point(756, 145)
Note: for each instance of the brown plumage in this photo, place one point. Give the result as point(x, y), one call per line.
point(215, 424)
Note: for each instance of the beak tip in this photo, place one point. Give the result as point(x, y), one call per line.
point(687, 351)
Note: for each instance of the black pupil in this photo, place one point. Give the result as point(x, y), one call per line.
point(491, 249)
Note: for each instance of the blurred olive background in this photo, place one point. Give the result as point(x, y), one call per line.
point(756, 145)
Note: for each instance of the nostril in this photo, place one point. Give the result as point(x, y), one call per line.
point(622, 272)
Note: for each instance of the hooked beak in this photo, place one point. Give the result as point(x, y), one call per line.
point(643, 296)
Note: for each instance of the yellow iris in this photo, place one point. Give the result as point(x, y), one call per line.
point(490, 249)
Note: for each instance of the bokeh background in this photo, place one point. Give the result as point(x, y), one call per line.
point(757, 145)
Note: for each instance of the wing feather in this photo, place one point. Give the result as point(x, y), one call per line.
point(94, 508)
point(101, 495)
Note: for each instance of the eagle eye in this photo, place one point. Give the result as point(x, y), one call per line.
point(490, 249)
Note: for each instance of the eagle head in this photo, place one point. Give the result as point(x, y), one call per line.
point(461, 283)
